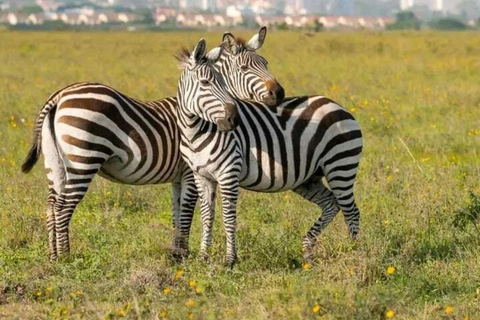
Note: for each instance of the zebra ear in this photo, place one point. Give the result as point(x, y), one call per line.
point(231, 44)
point(257, 40)
point(199, 52)
point(216, 53)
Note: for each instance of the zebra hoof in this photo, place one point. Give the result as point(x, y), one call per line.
point(230, 263)
point(354, 235)
point(204, 257)
point(180, 254)
point(308, 257)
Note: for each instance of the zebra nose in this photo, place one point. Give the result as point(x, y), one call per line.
point(275, 93)
point(231, 114)
point(231, 119)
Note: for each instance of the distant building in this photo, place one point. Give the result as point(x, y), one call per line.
point(406, 4)
point(328, 22)
point(439, 5)
point(193, 20)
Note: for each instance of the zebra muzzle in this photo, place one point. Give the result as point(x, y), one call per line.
point(275, 93)
point(231, 119)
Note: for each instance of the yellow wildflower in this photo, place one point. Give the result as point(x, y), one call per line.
point(79, 293)
point(190, 303)
point(190, 315)
point(306, 266)
point(192, 283)
point(390, 314)
point(178, 274)
point(316, 308)
point(167, 290)
point(198, 290)
point(163, 314)
point(391, 270)
point(121, 313)
point(448, 310)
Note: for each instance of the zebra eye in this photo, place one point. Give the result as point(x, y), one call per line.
point(204, 82)
point(244, 67)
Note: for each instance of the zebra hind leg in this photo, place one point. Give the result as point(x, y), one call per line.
point(77, 183)
point(343, 190)
point(52, 238)
point(315, 191)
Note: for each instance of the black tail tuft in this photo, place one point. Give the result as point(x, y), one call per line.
point(31, 159)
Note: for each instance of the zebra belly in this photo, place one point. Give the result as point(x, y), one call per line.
point(265, 182)
point(111, 171)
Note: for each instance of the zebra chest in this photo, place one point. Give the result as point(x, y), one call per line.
point(210, 162)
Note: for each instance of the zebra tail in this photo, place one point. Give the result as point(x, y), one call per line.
point(36, 148)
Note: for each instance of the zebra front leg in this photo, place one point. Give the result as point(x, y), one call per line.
point(183, 215)
point(176, 243)
point(229, 209)
point(207, 192)
point(50, 211)
point(316, 192)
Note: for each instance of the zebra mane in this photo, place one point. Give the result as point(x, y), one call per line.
point(183, 57)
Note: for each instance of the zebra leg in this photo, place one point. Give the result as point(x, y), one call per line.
point(315, 191)
point(77, 183)
point(229, 208)
point(52, 238)
point(176, 192)
point(207, 191)
point(343, 191)
point(185, 198)
point(55, 170)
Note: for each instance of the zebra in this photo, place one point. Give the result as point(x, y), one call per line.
point(247, 75)
point(231, 143)
point(88, 128)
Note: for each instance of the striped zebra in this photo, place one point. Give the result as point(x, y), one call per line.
point(89, 128)
point(232, 143)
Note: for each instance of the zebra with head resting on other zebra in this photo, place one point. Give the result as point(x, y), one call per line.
point(87, 129)
point(232, 143)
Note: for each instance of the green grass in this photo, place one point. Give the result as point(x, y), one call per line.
point(417, 99)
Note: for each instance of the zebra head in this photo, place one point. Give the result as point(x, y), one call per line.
point(202, 91)
point(246, 73)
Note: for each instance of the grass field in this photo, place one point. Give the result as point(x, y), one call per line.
point(417, 99)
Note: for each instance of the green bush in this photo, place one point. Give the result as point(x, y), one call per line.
point(447, 24)
point(405, 20)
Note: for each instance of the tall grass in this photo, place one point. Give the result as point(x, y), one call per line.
point(417, 99)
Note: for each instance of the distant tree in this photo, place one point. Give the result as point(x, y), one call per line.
point(31, 9)
point(282, 26)
point(318, 26)
point(405, 20)
point(447, 24)
point(146, 15)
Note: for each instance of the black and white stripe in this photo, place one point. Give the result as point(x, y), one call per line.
point(90, 128)
point(288, 147)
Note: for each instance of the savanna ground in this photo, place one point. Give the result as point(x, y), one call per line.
point(417, 98)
